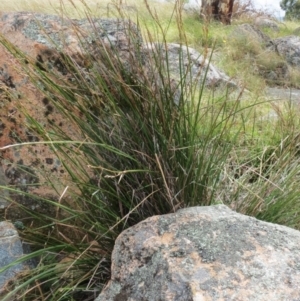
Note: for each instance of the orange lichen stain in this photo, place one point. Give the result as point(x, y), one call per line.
point(167, 238)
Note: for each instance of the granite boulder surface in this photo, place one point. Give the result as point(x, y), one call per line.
point(205, 253)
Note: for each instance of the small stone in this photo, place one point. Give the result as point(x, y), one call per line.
point(10, 250)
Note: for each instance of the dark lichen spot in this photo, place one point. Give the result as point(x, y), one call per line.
point(49, 160)
point(39, 58)
point(45, 101)
point(36, 162)
point(10, 83)
point(39, 63)
point(31, 137)
point(60, 124)
point(21, 176)
point(13, 120)
point(6, 78)
point(14, 135)
point(47, 52)
point(18, 23)
point(49, 108)
point(51, 121)
point(61, 171)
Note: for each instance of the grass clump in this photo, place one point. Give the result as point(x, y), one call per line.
point(146, 144)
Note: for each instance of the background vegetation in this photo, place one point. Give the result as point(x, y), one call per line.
point(291, 8)
point(209, 147)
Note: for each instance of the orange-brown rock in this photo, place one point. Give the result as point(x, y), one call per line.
point(46, 40)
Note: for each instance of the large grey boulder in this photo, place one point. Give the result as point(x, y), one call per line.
point(186, 62)
point(265, 22)
point(275, 70)
point(10, 250)
point(289, 48)
point(205, 253)
point(246, 32)
point(268, 61)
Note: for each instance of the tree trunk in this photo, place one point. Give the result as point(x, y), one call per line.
point(220, 10)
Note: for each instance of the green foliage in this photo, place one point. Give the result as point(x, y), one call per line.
point(146, 146)
point(291, 8)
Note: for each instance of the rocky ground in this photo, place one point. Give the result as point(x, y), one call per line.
point(283, 94)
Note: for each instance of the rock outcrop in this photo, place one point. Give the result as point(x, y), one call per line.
point(47, 40)
point(205, 253)
point(289, 48)
point(284, 52)
point(269, 62)
point(250, 32)
point(50, 40)
point(264, 22)
point(187, 63)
